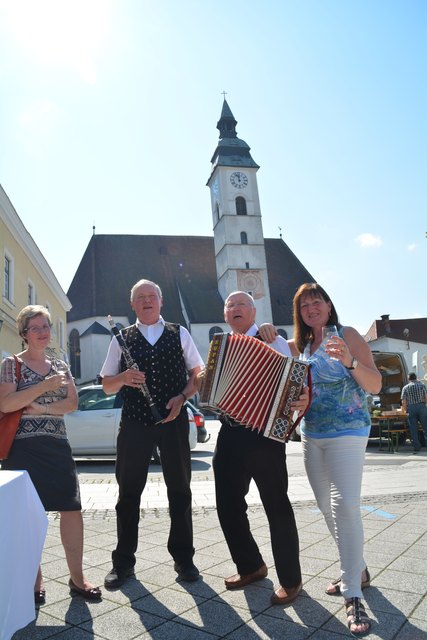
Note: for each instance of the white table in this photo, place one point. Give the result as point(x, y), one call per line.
point(23, 527)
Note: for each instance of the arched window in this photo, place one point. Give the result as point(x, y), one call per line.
point(75, 353)
point(241, 206)
point(216, 212)
point(244, 237)
point(214, 330)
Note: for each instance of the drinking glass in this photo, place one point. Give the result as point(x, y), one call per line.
point(329, 332)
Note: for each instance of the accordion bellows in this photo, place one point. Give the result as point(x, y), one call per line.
point(251, 383)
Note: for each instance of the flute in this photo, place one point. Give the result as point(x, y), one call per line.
point(131, 364)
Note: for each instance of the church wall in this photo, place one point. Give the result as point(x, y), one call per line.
point(200, 335)
point(236, 257)
point(94, 349)
point(228, 231)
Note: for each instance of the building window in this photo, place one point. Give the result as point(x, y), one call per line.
point(216, 216)
point(61, 334)
point(75, 354)
point(8, 278)
point(247, 265)
point(241, 206)
point(244, 237)
point(214, 330)
point(31, 297)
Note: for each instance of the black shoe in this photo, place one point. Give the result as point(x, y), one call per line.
point(187, 572)
point(94, 593)
point(117, 577)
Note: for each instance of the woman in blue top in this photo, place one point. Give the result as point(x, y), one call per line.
point(335, 435)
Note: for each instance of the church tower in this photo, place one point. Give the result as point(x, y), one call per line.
point(238, 237)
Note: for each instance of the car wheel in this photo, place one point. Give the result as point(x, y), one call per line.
point(156, 455)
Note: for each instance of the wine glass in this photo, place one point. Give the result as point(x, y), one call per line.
point(329, 332)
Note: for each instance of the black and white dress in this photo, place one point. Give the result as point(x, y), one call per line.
point(41, 446)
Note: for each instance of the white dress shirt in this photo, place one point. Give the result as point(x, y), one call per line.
point(152, 333)
point(279, 344)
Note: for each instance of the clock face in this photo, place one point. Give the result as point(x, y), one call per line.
point(239, 179)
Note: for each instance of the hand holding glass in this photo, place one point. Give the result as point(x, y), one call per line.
point(328, 332)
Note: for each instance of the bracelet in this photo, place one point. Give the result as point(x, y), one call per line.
point(183, 395)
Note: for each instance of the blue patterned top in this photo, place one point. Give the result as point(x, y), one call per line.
point(339, 406)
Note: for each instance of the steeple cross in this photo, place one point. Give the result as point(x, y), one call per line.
point(224, 93)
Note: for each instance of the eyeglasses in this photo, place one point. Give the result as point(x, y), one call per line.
point(44, 327)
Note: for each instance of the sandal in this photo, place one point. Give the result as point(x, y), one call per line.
point(356, 614)
point(336, 584)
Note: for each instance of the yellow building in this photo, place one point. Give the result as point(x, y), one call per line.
point(26, 278)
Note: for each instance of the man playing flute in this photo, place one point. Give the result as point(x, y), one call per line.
point(168, 363)
point(242, 454)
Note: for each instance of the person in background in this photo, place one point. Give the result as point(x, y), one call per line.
point(242, 454)
point(168, 362)
point(335, 433)
point(414, 399)
point(46, 391)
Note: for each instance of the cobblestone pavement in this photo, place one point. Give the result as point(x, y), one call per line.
point(155, 605)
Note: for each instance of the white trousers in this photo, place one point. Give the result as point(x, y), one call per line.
point(334, 468)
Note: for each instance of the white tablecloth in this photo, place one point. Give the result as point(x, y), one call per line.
point(23, 527)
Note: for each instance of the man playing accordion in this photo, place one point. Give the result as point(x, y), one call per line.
point(242, 454)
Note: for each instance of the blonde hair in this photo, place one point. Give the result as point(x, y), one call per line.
point(28, 312)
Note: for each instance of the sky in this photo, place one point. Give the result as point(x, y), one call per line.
point(108, 112)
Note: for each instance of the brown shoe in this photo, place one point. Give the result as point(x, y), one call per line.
point(285, 596)
point(237, 581)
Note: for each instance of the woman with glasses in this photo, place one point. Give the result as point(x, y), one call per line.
point(46, 391)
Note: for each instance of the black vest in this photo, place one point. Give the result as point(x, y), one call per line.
point(164, 368)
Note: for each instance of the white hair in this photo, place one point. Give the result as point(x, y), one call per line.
point(140, 283)
point(248, 295)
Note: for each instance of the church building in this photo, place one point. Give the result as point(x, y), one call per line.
point(195, 273)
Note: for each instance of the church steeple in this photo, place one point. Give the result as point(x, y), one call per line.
point(239, 242)
point(227, 123)
point(231, 151)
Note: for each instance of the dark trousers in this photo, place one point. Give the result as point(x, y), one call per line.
point(417, 412)
point(242, 454)
point(134, 448)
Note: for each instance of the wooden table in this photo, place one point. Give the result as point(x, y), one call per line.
point(390, 427)
point(23, 527)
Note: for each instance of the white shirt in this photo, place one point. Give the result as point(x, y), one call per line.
point(279, 344)
point(152, 333)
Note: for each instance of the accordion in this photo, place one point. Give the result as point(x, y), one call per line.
point(253, 384)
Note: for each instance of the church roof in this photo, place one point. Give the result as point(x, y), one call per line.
point(184, 268)
point(95, 329)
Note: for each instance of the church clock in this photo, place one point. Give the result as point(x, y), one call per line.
point(239, 179)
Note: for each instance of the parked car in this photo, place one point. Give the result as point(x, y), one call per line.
point(202, 434)
point(93, 428)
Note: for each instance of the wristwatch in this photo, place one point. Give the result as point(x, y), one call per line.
point(353, 365)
